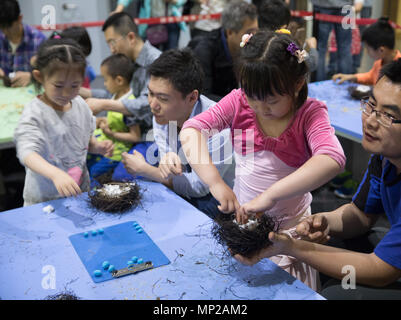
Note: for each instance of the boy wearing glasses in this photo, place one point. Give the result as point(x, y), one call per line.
point(376, 274)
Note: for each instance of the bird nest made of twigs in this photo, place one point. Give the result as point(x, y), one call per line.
point(115, 197)
point(246, 239)
point(66, 295)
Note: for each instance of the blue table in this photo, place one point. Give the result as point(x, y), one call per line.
point(344, 111)
point(37, 259)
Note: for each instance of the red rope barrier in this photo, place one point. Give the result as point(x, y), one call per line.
point(215, 16)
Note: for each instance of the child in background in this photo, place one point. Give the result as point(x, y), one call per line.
point(379, 39)
point(81, 36)
point(283, 143)
point(117, 71)
point(55, 130)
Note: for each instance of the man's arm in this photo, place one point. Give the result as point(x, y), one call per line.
point(369, 269)
point(348, 221)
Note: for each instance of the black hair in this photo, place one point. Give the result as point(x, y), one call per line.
point(122, 22)
point(81, 36)
point(380, 33)
point(119, 65)
point(272, 14)
point(181, 68)
point(266, 68)
point(53, 53)
point(9, 12)
point(392, 71)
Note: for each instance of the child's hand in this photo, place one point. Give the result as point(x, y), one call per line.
point(226, 197)
point(65, 184)
point(256, 206)
point(314, 228)
point(105, 148)
point(104, 125)
point(343, 77)
point(100, 121)
point(280, 244)
point(170, 165)
point(134, 163)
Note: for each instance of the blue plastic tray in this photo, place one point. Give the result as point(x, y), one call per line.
point(117, 244)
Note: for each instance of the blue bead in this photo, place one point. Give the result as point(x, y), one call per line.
point(111, 268)
point(86, 234)
point(101, 231)
point(105, 265)
point(134, 259)
point(97, 273)
point(138, 227)
point(140, 260)
point(129, 262)
point(94, 232)
point(134, 224)
point(140, 230)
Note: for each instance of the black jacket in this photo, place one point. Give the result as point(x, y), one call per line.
point(217, 64)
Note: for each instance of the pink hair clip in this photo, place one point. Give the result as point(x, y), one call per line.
point(56, 37)
point(245, 38)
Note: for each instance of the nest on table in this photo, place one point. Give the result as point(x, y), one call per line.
point(66, 295)
point(247, 239)
point(359, 91)
point(115, 197)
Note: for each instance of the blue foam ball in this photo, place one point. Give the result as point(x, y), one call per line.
point(97, 273)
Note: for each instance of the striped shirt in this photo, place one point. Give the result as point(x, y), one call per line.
point(20, 60)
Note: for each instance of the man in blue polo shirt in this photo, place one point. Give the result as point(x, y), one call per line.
point(376, 274)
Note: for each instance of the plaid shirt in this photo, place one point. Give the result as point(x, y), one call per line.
point(26, 49)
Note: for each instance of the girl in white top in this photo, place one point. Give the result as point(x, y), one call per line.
point(55, 130)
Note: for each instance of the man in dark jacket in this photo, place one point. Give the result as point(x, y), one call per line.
point(219, 50)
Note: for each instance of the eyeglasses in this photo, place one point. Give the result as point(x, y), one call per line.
point(383, 118)
point(112, 43)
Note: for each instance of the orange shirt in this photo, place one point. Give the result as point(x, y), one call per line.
point(370, 77)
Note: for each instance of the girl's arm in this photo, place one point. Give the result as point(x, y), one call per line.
point(194, 145)
point(312, 174)
point(64, 183)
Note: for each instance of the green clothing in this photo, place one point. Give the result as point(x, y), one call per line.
point(116, 123)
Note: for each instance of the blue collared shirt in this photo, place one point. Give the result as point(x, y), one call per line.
point(220, 148)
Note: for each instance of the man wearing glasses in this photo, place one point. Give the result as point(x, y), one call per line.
point(376, 274)
point(122, 36)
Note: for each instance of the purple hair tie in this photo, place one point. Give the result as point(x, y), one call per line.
point(292, 48)
point(301, 55)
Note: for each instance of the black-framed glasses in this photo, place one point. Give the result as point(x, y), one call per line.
point(383, 118)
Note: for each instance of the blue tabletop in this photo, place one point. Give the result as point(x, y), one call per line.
point(37, 258)
point(344, 111)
